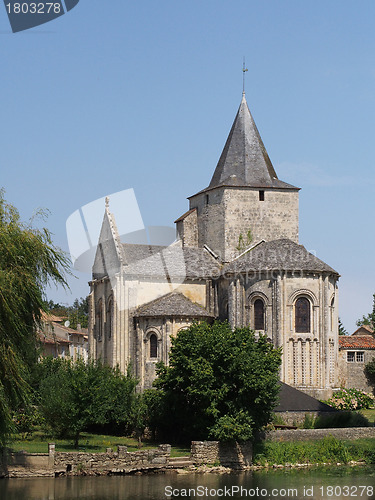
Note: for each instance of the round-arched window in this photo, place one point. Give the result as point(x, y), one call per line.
point(302, 315)
point(153, 346)
point(259, 314)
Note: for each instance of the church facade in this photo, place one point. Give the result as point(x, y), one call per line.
point(236, 257)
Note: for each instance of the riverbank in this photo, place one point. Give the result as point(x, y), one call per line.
point(281, 449)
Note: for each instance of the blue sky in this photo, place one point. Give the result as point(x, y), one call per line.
point(117, 95)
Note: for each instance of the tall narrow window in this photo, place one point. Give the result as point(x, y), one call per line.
point(99, 320)
point(302, 312)
point(109, 318)
point(332, 308)
point(153, 346)
point(259, 314)
point(261, 195)
point(206, 199)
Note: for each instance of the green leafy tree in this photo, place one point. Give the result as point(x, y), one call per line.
point(370, 318)
point(220, 384)
point(342, 330)
point(370, 372)
point(28, 262)
point(78, 313)
point(74, 396)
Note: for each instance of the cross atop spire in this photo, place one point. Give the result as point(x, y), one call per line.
point(244, 69)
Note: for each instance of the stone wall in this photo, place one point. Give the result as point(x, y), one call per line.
point(228, 455)
point(58, 463)
point(227, 212)
point(351, 374)
point(121, 461)
point(349, 433)
point(23, 464)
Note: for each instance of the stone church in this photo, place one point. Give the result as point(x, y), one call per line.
point(236, 257)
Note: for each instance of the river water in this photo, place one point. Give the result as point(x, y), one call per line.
point(321, 483)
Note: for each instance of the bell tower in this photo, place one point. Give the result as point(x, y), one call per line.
point(245, 201)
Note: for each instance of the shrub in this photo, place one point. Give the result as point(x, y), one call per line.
point(351, 399)
point(341, 419)
point(308, 421)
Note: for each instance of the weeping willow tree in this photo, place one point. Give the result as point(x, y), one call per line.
point(28, 262)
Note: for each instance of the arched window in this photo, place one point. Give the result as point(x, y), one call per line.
point(99, 320)
point(153, 346)
point(259, 314)
point(109, 317)
point(302, 315)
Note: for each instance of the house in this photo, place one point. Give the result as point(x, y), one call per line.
point(355, 351)
point(58, 340)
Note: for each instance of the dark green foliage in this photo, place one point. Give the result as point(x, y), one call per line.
point(308, 421)
point(74, 396)
point(28, 262)
point(342, 330)
point(220, 384)
point(327, 450)
point(341, 419)
point(370, 372)
point(26, 420)
point(78, 313)
point(370, 318)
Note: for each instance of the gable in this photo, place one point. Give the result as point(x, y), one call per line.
point(107, 262)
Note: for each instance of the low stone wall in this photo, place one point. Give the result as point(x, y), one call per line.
point(58, 463)
point(121, 461)
point(315, 434)
point(24, 464)
point(228, 455)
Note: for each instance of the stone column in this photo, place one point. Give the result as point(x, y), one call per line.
point(232, 303)
point(51, 455)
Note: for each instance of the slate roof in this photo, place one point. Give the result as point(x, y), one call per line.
point(278, 255)
point(244, 160)
point(172, 304)
point(169, 261)
point(357, 342)
point(292, 399)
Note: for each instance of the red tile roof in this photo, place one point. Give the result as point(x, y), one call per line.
point(357, 342)
point(50, 317)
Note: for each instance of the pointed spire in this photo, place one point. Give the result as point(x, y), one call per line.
point(244, 160)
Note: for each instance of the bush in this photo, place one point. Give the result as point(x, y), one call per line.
point(351, 399)
point(220, 384)
point(74, 396)
point(370, 371)
point(341, 419)
point(327, 450)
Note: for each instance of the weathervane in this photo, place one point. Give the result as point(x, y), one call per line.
point(244, 69)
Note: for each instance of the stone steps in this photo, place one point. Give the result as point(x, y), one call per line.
point(177, 462)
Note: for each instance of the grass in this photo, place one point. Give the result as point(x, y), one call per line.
point(327, 450)
point(370, 415)
point(94, 443)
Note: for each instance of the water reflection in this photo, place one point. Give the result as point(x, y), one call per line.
point(277, 484)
